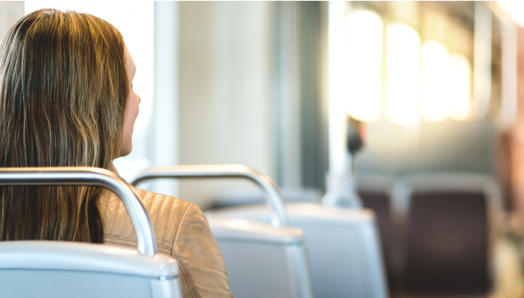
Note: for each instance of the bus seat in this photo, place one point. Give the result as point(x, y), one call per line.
point(250, 196)
point(342, 245)
point(449, 231)
point(375, 193)
point(66, 269)
point(277, 254)
point(262, 260)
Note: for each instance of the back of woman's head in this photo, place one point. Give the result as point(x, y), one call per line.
point(63, 92)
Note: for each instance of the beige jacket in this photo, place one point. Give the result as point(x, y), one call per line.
point(182, 232)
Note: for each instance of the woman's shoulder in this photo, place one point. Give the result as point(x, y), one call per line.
point(160, 206)
point(166, 212)
point(181, 231)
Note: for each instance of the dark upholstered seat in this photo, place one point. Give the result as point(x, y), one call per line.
point(379, 202)
point(445, 226)
point(446, 244)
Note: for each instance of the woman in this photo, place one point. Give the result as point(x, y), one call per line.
point(66, 99)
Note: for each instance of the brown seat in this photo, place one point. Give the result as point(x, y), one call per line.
point(375, 193)
point(379, 202)
point(446, 240)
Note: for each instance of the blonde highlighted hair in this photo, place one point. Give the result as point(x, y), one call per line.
point(63, 95)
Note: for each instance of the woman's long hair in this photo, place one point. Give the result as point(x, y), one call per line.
point(63, 94)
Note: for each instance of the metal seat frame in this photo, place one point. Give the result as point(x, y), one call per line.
point(65, 269)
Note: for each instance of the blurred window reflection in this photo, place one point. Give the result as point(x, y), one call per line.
point(435, 74)
point(460, 87)
point(402, 74)
point(421, 81)
point(515, 9)
point(364, 33)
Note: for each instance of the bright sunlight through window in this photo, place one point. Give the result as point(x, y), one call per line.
point(364, 46)
point(402, 74)
point(460, 87)
point(435, 76)
point(515, 9)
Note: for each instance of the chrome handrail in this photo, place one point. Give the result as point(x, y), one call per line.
point(273, 198)
point(87, 176)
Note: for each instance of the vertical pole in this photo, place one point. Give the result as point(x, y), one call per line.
point(165, 117)
point(288, 97)
point(339, 181)
point(482, 61)
point(508, 107)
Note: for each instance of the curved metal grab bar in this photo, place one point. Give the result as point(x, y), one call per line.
point(273, 198)
point(86, 176)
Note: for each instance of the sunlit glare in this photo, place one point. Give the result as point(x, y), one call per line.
point(515, 9)
point(402, 74)
point(435, 73)
point(459, 87)
point(364, 46)
point(337, 112)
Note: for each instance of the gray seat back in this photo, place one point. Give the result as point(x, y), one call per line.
point(262, 260)
point(343, 247)
point(66, 269)
point(375, 194)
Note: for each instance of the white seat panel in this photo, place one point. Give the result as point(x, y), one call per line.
point(68, 269)
point(343, 247)
point(75, 256)
point(263, 261)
